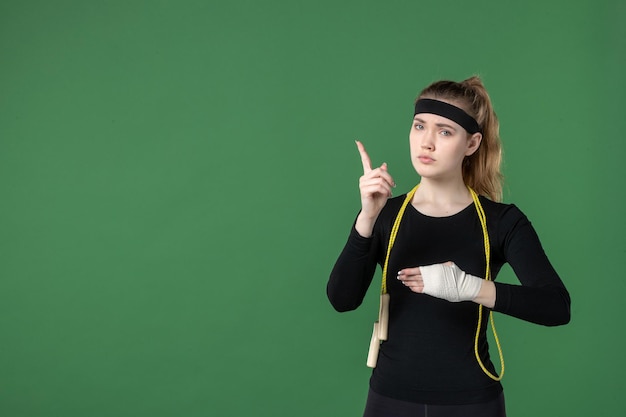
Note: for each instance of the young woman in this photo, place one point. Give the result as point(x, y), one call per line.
point(441, 247)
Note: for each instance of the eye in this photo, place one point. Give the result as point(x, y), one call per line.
point(446, 133)
point(419, 126)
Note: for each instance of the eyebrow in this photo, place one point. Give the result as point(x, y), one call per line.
point(417, 119)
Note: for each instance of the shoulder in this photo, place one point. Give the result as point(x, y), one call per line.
point(394, 203)
point(390, 211)
point(505, 220)
point(501, 211)
point(393, 206)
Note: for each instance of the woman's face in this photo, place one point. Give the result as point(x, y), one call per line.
point(439, 145)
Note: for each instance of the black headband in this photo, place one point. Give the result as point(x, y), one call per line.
point(440, 108)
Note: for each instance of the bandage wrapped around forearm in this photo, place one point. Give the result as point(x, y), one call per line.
point(449, 282)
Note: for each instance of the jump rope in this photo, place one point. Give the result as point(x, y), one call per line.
point(380, 332)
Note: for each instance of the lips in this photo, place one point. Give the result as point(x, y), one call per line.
point(425, 159)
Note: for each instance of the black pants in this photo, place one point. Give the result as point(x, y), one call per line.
point(381, 406)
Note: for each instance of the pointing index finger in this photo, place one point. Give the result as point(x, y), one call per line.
point(365, 159)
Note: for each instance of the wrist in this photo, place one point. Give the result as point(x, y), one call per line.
point(365, 224)
point(487, 294)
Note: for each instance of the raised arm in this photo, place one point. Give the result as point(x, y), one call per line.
point(355, 267)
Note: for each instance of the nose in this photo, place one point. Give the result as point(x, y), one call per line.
point(428, 141)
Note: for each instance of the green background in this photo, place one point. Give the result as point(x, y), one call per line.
point(178, 177)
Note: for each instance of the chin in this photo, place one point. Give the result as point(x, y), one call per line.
point(422, 171)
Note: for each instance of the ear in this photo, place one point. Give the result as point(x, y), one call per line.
point(473, 143)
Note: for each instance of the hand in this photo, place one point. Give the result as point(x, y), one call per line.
point(375, 186)
point(446, 281)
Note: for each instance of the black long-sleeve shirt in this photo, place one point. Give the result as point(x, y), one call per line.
point(429, 355)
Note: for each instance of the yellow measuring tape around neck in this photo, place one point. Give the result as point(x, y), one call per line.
point(483, 223)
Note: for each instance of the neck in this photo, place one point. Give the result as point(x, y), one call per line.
point(443, 192)
point(441, 198)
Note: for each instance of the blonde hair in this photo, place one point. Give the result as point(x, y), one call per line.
point(481, 170)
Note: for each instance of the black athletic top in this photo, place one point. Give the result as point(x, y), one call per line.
point(429, 355)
